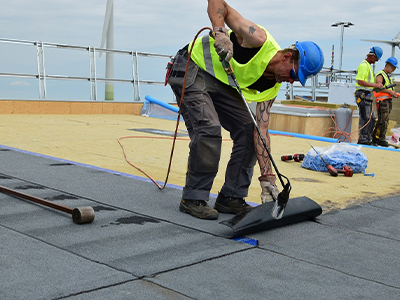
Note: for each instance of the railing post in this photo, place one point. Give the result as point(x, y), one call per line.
point(135, 76)
point(313, 87)
point(289, 91)
point(41, 70)
point(92, 78)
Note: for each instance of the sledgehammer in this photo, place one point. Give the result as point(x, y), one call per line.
point(80, 215)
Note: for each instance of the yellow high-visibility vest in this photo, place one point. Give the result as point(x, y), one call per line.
point(205, 56)
point(371, 77)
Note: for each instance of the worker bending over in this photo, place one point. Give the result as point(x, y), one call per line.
point(211, 101)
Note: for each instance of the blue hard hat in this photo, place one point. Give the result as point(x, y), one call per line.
point(311, 60)
point(377, 51)
point(393, 61)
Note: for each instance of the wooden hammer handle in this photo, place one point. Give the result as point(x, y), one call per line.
point(35, 199)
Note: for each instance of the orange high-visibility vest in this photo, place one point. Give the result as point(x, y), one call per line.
point(380, 96)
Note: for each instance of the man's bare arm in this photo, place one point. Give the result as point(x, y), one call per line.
point(262, 118)
point(249, 34)
point(379, 80)
point(369, 84)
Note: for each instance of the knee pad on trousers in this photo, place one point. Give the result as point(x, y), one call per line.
point(205, 154)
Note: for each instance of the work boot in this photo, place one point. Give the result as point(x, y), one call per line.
point(230, 205)
point(198, 209)
point(383, 143)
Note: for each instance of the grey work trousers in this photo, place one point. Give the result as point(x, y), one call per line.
point(383, 108)
point(367, 118)
point(209, 104)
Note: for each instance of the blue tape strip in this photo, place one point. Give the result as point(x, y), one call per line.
point(304, 136)
point(249, 241)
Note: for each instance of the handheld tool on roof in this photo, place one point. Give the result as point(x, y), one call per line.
point(80, 215)
point(295, 157)
point(332, 171)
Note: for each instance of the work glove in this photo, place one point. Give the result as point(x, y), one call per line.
point(223, 44)
point(269, 191)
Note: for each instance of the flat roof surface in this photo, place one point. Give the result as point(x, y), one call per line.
point(140, 246)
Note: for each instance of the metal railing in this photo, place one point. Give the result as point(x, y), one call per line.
point(92, 77)
point(319, 84)
point(317, 87)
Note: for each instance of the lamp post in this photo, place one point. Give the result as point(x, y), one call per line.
point(342, 26)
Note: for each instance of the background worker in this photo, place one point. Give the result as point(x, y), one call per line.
point(211, 101)
point(384, 102)
point(365, 83)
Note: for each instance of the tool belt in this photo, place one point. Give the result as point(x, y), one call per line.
point(177, 73)
point(176, 70)
point(364, 95)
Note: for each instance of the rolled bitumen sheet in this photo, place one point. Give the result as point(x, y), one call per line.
point(260, 219)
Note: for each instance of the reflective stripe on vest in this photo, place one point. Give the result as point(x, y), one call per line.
point(370, 78)
point(205, 40)
point(205, 56)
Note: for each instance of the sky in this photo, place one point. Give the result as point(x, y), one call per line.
point(163, 27)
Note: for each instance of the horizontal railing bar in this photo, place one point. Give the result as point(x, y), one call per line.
point(18, 75)
point(63, 77)
point(129, 52)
